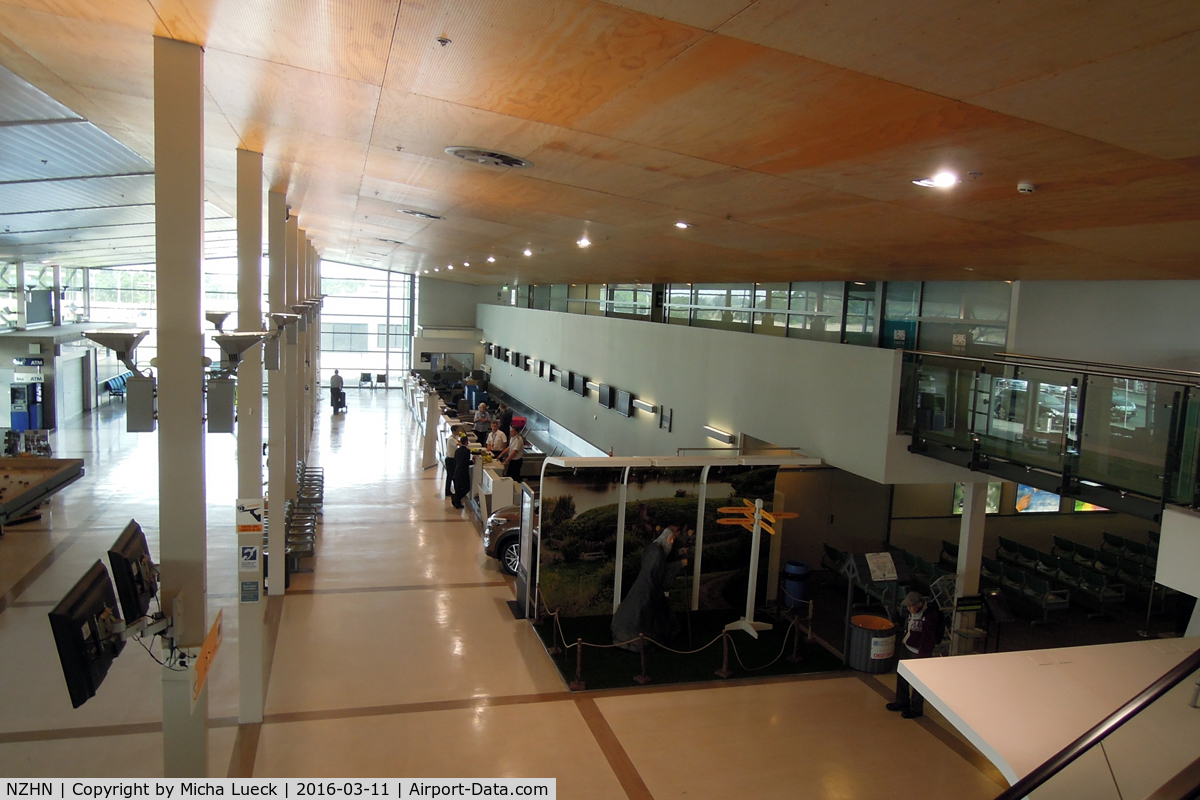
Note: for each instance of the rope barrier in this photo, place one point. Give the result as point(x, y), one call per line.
point(641, 639)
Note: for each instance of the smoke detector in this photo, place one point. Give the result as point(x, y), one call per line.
point(489, 158)
point(1026, 188)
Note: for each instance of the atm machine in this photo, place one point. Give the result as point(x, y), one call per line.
point(26, 406)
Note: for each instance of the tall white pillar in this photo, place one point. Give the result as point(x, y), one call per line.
point(277, 214)
point(19, 292)
point(970, 554)
point(249, 426)
point(288, 359)
point(303, 417)
point(179, 232)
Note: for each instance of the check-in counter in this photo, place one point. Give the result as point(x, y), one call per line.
point(495, 491)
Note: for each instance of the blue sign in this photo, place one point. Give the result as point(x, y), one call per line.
point(29, 362)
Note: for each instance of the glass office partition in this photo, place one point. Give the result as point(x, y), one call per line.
point(901, 311)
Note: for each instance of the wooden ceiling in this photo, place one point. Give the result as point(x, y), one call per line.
point(788, 132)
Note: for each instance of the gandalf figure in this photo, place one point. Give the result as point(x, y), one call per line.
point(645, 609)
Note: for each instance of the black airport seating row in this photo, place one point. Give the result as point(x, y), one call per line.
point(116, 386)
point(1024, 587)
point(1135, 565)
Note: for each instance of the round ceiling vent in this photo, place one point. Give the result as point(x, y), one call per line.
point(490, 158)
point(419, 214)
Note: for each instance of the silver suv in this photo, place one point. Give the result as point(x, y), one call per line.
point(502, 538)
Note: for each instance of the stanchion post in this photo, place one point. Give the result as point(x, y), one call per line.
point(724, 671)
point(578, 684)
point(643, 678)
point(795, 657)
point(554, 650)
point(809, 636)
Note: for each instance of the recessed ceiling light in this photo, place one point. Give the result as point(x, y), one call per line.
point(683, 225)
point(466, 263)
point(942, 180)
point(449, 266)
point(528, 252)
point(491, 259)
point(426, 272)
point(435, 269)
point(584, 242)
point(419, 214)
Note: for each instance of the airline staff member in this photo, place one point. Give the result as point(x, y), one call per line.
point(514, 454)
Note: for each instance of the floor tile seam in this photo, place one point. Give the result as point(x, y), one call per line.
point(614, 752)
point(726, 683)
point(99, 731)
point(414, 587)
point(424, 707)
point(968, 754)
point(45, 562)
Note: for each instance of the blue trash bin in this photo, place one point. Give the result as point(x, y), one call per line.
point(795, 583)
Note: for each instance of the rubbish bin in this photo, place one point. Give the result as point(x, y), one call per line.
point(795, 583)
point(872, 645)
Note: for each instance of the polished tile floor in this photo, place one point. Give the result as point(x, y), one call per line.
point(398, 656)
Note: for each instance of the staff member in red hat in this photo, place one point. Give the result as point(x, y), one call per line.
point(514, 454)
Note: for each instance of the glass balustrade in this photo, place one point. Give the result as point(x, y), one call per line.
point(1136, 433)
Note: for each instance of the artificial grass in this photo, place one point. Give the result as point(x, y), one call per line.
point(614, 668)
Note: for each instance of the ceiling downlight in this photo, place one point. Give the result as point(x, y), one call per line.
point(489, 158)
point(419, 214)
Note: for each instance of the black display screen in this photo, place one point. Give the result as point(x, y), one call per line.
point(624, 403)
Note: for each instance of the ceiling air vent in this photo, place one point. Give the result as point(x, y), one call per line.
point(390, 241)
point(490, 158)
point(419, 214)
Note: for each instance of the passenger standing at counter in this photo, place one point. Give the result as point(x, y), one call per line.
point(451, 447)
point(506, 415)
point(514, 455)
point(496, 440)
point(462, 472)
point(483, 421)
point(920, 636)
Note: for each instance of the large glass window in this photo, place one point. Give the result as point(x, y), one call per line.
point(770, 308)
point(629, 300)
point(901, 309)
point(860, 313)
point(366, 322)
point(816, 311)
point(965, 317)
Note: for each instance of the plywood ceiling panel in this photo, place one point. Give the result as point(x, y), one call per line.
point(547, 60)
point(961, 49)
point(705, 14)
point(347, 39)
point(1134, 100)
point(790, 137)
point(426, 126)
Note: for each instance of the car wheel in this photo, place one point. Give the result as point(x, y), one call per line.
point(510, 556)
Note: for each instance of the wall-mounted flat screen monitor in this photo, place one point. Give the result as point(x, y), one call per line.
point(133, 572)
point(505, 353)
point(624, 403)
point(82, 624)
point(606, 395)
point(565, 377)
point(487, 348)
point(579, 385)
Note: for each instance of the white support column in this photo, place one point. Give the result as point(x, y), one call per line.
point(19, 292)
point(249, 428)
point(56, 300)
point(179, 232)
point(277, 214)
point(970, 555)
point(305, 410)
point(289, 363)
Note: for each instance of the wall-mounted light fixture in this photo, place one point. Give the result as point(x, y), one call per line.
point(718, 434)
point(593, 386)
point(644, 405)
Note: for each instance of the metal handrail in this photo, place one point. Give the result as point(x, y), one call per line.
point(1107, 366)
point(1177, 378)
point(1065, 757)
